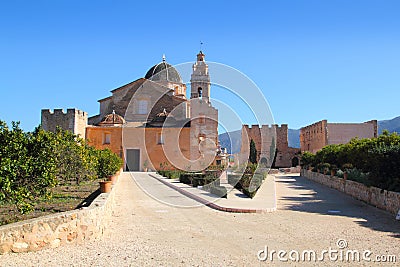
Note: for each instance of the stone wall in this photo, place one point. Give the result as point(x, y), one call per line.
point(383, 199)
point(73, 120)
point(54, 230)
point(315, 136)
point(266, 137)
point(342, 133)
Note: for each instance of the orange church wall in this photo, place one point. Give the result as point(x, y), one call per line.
point(96, 137)
point(175, 145)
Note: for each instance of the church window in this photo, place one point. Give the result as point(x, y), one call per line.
point(142, 107)
point(160, 139)
point(200, 92)
point(107, 138)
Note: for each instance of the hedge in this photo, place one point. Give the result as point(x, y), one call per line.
point(376, 159)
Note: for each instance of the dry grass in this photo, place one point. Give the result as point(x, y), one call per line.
point(66, 197)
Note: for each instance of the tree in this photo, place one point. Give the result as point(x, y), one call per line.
point(27, 168)
point(253, 152)
point(307, 159)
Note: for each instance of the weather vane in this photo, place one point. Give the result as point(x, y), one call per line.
point(201, 46)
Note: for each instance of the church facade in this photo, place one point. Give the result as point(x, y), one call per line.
point(152, 124)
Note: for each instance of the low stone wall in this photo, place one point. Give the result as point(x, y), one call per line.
point(383, 199)
point(53, 230)
point(285, 170)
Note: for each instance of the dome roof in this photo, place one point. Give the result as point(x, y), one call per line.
point(112, 119)
point(163, 72)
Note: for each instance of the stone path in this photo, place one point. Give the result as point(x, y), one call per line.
point(146, 232)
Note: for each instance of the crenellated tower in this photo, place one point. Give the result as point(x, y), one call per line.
point(73, 120)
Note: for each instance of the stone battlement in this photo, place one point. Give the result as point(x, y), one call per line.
point(270, 139)
point(73, 120)
point(60, 111)
point(268, 126)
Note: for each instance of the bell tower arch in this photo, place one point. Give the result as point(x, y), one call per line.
point(200, 79)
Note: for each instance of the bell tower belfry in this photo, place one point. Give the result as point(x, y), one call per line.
point(200, 79)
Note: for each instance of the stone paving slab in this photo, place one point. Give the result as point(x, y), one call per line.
point(264, 200)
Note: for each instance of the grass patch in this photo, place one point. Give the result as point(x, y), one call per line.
point(63, 198)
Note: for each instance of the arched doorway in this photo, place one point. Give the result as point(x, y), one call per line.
point(263, 162)
point(295, 162)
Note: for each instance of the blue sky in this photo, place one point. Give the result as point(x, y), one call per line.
point(327, 59)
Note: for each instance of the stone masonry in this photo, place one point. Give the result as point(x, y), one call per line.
point(315, 136)
point(54, 230)
point(74, 120)
point(382, 199)
point(267, 140)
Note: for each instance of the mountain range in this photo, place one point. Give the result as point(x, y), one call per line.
point(232, 140)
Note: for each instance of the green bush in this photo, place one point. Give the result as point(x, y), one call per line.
point(372, 161)
point(248, 184)
point(219, 191)
point(323, 167)
point(249, 193)
point(185, 178)
point(189, 178)
point(233, 179)
point(307, 160)
point(202, 180)
point(170, 174)
point(108, 163)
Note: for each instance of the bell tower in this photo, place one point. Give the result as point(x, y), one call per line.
point(200, 79)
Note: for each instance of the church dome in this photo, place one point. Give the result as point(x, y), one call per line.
point(163, 72)
point(112, 119)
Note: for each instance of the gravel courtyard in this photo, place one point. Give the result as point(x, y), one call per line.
point(145, 232)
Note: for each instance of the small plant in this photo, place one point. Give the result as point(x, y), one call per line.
point(108, 163)
point(334, 169)
point(163, 165)
point(347, 167)
point(325, 167)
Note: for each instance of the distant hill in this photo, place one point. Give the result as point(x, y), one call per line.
point(234, 138)
point(231, 141)
point(294, 138)
point(392, 125)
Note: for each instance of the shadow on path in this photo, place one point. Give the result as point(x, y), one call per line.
point(300, 194)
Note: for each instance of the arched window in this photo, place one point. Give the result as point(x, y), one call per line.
point(200, 92)
point(107, 138)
